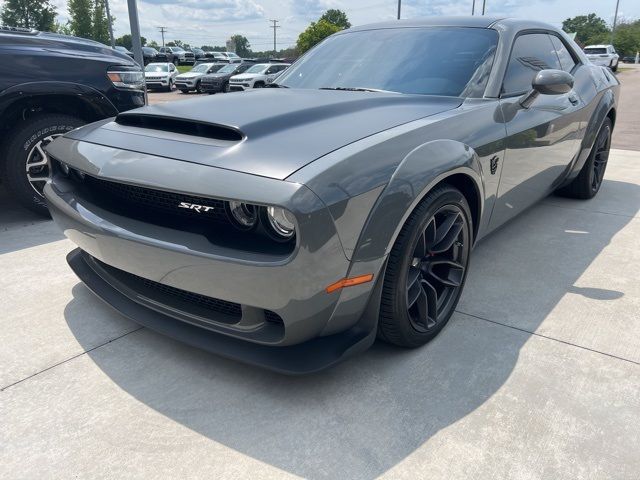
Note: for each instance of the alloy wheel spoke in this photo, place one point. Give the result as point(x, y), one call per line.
point(449, 239)
point(421, 247)
point(446, 272)
point(444, 229)
point(432, 304)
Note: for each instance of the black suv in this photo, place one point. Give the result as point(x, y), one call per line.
point(50, 84)
point(219, 81)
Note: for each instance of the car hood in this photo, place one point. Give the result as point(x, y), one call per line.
point(156, 74)
point(246, 76)
point(267, 132)
point(189, 75)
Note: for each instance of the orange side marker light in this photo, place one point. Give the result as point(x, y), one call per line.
point(349, 282)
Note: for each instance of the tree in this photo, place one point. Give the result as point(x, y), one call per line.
point(100, 23)
point(80, 18)
point(152, 43)
point(243, 48)
point(37, 14)
point(627, 38)
point(589, 29)
point(337, 17)
point(315, 33)
point(177, 43)
point(126, 41)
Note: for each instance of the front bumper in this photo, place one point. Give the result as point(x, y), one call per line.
point(212, 87)
point(239, 87)
point(157, 83)
point(317, 329)
point(185, 85)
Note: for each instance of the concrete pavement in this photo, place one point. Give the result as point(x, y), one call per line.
point(537, 375)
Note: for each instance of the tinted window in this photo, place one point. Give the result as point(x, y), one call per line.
point(566, 60)
point(452, 61)
point(531, 53)
point(595, 51)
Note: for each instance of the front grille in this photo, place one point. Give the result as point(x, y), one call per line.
point(145, 203)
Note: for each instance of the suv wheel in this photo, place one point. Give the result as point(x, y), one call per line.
point(199, 88)
point(25, 166)
point(226, 88)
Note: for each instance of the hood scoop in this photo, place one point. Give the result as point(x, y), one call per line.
point(180, 126)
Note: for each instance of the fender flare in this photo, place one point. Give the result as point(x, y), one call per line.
point(418, 173)
point(605, 105)
point(95, 102)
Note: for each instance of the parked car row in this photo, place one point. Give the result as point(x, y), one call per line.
point(212, 77)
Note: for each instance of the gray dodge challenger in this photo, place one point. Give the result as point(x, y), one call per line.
point(290, 226)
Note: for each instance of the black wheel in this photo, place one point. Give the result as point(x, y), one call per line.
point(184, 91)
point(258, 85)
point(198, 88)
point(588, 182)
point(226, 88)
point(25, 166)
point(614, 68)
point(426, 270)
point(170, 87)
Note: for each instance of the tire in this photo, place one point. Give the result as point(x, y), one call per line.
point(184, 91)
point(588, 182)
point(198, 88)
point(170, 87)
point(226, 88)
point(258, 85)
point(21, 147)
point(418, 264)
point(615, 67)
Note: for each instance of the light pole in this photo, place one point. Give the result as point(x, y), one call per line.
point(484, 2)
point(473, 7)
point(135, 31)
point(113, 42)
point(399, 5)
point(615, 20)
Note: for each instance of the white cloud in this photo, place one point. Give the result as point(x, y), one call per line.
point(213, 21)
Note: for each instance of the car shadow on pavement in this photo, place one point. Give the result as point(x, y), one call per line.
point(21, 228)
point(364, 416)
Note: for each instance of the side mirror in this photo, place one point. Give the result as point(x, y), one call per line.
point(548, 82)
point(552, 82)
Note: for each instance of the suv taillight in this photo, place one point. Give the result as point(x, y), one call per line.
point(126, 78)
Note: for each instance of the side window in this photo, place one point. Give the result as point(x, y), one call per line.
point(271, 70)
point(242, 68)
point(566, 59)
point(531, 53)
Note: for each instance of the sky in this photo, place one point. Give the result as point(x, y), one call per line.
point(212, 22)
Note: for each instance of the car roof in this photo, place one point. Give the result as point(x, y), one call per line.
point(475, 21)
point(478, 21)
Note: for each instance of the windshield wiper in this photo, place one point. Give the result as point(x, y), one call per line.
point(358, 89)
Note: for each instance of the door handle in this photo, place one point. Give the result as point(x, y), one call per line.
point(573, 98)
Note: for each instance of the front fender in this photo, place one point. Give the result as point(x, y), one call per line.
point(421, 170)
point(92, 99)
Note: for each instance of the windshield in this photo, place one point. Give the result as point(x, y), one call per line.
point(149, 50)
point(595, 50)
point(121, 49)
point(257, 68)
point(156, 68)
point(228, 68)
point(203, 67)
point(177, 49)
point(448, 61)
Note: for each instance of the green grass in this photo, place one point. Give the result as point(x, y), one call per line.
point(184, 68)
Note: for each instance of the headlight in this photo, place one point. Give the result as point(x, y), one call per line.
point(125, 79)
point(243, 215)
point(279, 223)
